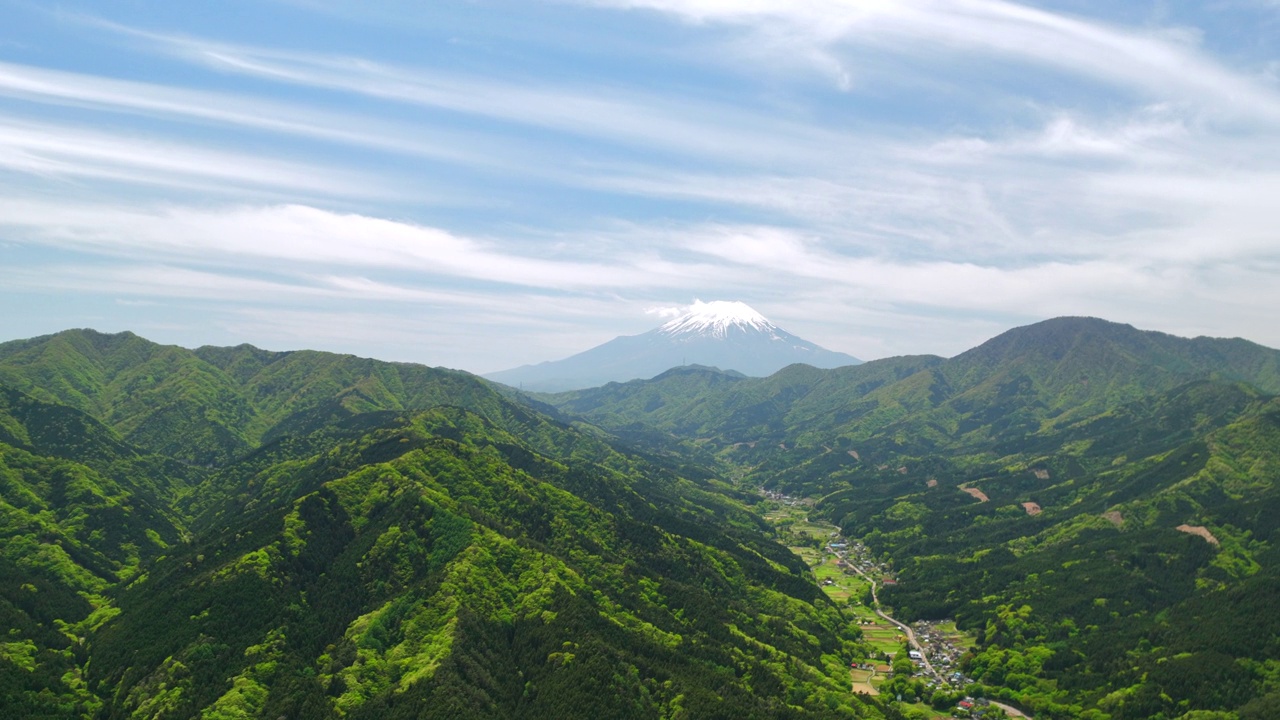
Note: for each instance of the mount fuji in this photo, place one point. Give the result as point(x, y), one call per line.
point(722, 334)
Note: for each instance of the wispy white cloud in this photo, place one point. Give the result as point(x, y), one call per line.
point(238, 109)
point(59, 150)
point(940, 171)
point(307, 237)
point(687, 124)
point(473, 328)
point(1160, 62)
point(556, 307)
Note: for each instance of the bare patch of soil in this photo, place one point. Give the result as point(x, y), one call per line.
point(931, 483)
point(1114, 517)
point(975, 492)
point(854, 454)
point(1200, 530)
point(1031, 508)
point(1041, 474)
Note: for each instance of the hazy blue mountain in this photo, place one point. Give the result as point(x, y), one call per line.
point(1098, 504)
point(726, 335)
point(1052, 373)
point(236, 533)
point(231, 532)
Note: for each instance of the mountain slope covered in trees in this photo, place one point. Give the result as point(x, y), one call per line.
point(232, 532)
point(1097, 503)
point(229, 532)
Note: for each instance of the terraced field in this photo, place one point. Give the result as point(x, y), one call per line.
point(846, 588)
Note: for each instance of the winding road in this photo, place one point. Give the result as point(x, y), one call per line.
point(911, 635)
point(1010, 710)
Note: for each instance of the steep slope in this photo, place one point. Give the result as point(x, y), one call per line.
point(1075, 366)
point(209, 406)
point(726, 335)
point(162, 398)
point(1088, 550)
point(375, 540)
point(1025, 381)
point(80, 512)
point(703, 402)
point(1091, 500)
point(437, 566)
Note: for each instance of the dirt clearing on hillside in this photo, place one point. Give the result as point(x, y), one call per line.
point(975, 492)
point(1200, 530)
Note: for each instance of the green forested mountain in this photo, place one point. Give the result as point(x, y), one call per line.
point(230, 532)
point(81, 515)
point(1096, 502)
point(208, 406)
point(1026, 379)
point(235, 533)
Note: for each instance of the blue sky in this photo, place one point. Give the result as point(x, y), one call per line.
point(483, 184)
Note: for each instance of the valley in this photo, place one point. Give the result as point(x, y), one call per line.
point(232, 532)
point(640, 360)
point(1049, 491)
point(318, 536)
point(848, 575)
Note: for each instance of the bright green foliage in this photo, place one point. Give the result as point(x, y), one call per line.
point(80, 512)
point(251, 534)
point(467, 548)
point(1092, 444)
point(231, 532)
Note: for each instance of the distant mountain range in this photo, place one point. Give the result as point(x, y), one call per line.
point(233, 532)
point(719, 334)
point(237, 533)
point(1099, 504)
point(1027, 379)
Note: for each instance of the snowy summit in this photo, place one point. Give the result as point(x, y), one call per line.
point(716, 318)
point(722, 334)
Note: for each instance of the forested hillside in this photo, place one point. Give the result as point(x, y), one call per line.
point(1095, 502)
point(236, 533)
point(230, 532)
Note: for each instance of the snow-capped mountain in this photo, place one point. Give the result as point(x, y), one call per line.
point(723, 334)
point(718, 319)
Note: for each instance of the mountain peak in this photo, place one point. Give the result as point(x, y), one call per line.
point(716, 318)
point(720, 334)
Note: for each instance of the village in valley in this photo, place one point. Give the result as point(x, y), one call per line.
point(852, 576)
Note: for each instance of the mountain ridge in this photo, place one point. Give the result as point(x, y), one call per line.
point(1044, 363)
point(727, 335)
point(1079, 494)
point(389, 540)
